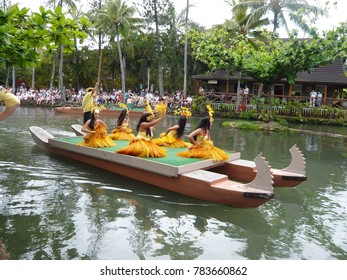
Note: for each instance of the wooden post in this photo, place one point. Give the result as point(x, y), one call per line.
point(325, 94)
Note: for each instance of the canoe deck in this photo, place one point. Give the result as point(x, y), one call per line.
point(171, 165)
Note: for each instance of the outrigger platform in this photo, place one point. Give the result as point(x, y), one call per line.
point(188, 176)
point(245, 170)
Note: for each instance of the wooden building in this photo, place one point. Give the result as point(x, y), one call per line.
point(330, 80)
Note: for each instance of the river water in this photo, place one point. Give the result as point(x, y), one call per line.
point(52, 208)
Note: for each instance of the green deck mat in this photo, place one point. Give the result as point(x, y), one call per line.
point(170, 159)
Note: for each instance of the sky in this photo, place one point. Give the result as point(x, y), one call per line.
point(211, 12)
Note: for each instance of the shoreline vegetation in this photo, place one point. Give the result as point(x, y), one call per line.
point(271, 126)
point(274, 127)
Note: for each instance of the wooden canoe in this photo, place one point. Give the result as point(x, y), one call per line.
point(189, 177)
point(245, 170)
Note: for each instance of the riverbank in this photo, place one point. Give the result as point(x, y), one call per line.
point(275, 127)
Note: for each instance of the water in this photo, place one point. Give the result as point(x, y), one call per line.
point(59, 209)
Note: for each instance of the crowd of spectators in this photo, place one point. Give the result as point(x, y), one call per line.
point(46, 97)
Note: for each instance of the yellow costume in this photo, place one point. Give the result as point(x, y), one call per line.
point(122, 133)
point(8, 98)
point(142, 146)
point(170, 140)
point(99, 139)
point(204, 149)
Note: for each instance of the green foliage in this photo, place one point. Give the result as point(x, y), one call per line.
point(248, 115)
point(199, 105)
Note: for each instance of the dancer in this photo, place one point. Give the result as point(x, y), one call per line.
point(142, 145)
point(122, 130)
point(201, 145)
point(11, 103)
point(88, 102)
point(96, 130)
point(172, 138)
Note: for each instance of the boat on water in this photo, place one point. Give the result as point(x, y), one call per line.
point(187, 176)
point(245, 170)
point(135, 112)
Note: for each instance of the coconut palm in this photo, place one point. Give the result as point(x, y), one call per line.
point(242, 22)
point(281, 10)
point(115, 18)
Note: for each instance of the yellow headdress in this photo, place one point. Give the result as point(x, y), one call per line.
point(210, 112)
point(96, 110)
point(149, 110)
point(184, 112)
point(161, 108)
point(122, 105)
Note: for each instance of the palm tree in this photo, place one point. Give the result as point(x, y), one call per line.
point(280, 10)
point(115, 18)
point(242, 22)
point(245, 24)
point(71, 4)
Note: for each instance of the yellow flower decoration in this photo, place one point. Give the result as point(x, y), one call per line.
point(122, 105)
point(210, 112)
point(161, 108)
point(96, 110)
point(149, 110)
point(184, 112)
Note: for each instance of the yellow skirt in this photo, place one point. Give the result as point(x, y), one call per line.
point(122, 134)
point(141, 147)
point(99, 139)
point(205, 150)
point(170, 141)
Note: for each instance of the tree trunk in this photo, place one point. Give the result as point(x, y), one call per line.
point(238, 95)
point(61, 82)
point(13, 79)
point(33, 79)
point(53, 73)
point(185, 52)
point(159, 51)
point(121, 63)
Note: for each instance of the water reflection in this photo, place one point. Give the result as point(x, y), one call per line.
point(56, 208)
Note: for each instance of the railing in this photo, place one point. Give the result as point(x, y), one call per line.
point(222, 97)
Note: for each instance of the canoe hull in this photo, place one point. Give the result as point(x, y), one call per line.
point(199, 184)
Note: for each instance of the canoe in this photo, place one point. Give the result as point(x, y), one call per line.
point(106, 112)
point(245, 170)
point(186, 176)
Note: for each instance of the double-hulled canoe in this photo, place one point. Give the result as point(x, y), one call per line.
point(187, 176)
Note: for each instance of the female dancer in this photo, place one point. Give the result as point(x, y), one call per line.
point(96, 130)
point(172, 138)
point(122, 130)
point(142, 145)
point(201, 144)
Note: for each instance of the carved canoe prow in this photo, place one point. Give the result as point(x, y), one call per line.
point(298, 162)
point(263, 179)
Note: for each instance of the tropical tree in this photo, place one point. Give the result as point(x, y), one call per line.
point(20, 35)
point(281, 10)
point(115, 19)
point(245, 24)
point(272, 60)
point(157, 13)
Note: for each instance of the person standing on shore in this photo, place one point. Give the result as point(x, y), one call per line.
point(11, 103)
point(88, 102)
